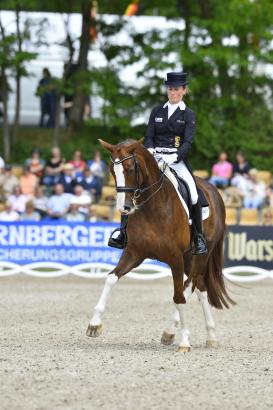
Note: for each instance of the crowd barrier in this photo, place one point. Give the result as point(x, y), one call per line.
point(57, 248)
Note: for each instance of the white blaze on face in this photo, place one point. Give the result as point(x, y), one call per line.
point(118, 170)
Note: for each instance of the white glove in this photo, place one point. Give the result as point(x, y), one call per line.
point(158, 156)
point(151, 150)
point(169, 159)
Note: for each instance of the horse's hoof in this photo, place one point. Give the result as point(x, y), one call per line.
point(93, 331)
point(183, 349)
point(167, 339)
point(212, 344)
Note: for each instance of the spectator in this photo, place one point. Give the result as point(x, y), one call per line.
point(58, 203)
point(255, 192)
point(67, 178)
point(241, 166)
point(2, 164)
point(54, 167)
point(30, 214)
point(28, 182)
point(69, 70)
point(269, 196)
point(2, 179)
point(78, 163)
point(82, 199)
point(221, 171)
point(8, 215)
point(18, 200)
point(35, 163)
point(87, 109)
point(97, 166)
point(67, 105)
point(93, 215)
point(40, 201)
point(90, 183)
point(240, 172)
point(74, 215)
point(8, 181)
point(47, 95)
point(268, 217)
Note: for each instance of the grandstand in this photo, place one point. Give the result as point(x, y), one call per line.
point(104, 208)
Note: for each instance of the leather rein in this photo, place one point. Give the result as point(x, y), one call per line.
point(138, 191)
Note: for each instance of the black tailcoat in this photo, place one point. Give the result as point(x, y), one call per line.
point(176, 132)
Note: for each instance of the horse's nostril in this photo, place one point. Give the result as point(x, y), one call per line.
point(127, 207)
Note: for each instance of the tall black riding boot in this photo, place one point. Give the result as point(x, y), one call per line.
point(121, 240)
point(200, 247)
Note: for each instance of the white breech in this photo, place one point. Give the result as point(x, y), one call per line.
point(182, 171)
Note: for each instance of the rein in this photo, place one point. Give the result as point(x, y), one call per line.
point(138, 191)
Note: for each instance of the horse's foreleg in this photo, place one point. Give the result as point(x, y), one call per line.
point(168, 334)
point(210, 324)
point(127, 262)
point(184, 343)
point(95, 327)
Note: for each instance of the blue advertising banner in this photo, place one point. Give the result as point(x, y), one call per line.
point(78, 243)
point(57, 241)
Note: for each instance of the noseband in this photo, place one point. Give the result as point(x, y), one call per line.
point(138, 190)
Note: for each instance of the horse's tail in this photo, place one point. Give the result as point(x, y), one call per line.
point(214, 278)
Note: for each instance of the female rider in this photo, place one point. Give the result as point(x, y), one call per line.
point(169, 136)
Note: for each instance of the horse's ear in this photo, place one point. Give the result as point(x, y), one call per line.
point(106, 145)
point(141, 140)
point(134, 146)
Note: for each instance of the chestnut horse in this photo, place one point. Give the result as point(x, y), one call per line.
point(158, 228)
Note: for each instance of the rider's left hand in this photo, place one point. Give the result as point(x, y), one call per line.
point(169, 159)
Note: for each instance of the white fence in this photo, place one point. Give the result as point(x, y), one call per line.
point(100, 270)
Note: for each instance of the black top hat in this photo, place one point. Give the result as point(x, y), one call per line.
point(176, 79)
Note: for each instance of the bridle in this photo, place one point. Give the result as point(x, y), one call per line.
point(138, 190)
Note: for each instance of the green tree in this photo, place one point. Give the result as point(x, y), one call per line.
point(20, 57)
point(225, 50)
point(6, 45)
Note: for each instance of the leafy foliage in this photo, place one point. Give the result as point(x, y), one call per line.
point(224, 47)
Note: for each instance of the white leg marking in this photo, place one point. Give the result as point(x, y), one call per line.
point(174, 322)
point(210, 324)
point(185, 334)
point(100, 306)
point(188, 292)
point(118, 170)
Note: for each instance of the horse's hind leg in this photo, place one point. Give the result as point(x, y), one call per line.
point(127, 262)
point(210, 324)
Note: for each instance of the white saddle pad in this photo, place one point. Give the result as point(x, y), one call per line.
point(169, 174)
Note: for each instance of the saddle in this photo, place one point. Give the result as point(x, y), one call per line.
point(184, 191)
